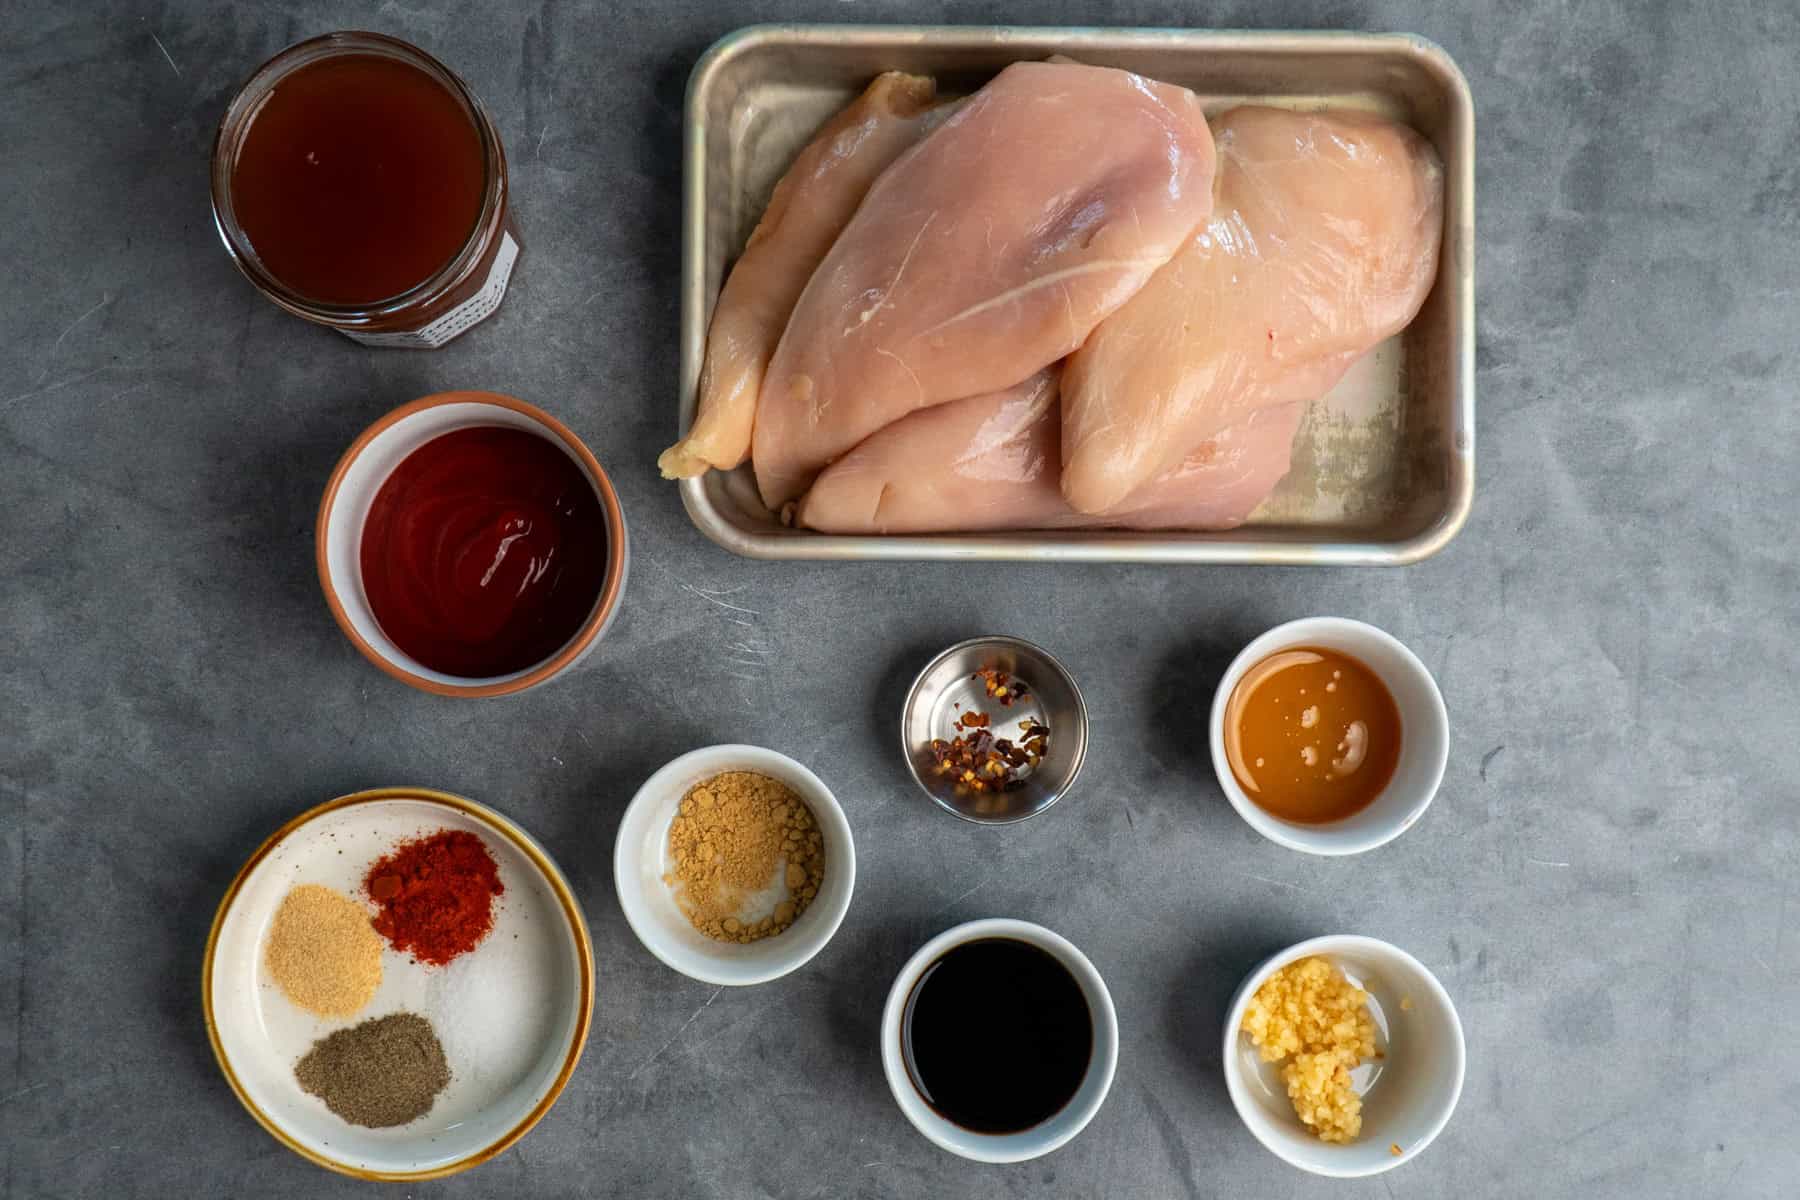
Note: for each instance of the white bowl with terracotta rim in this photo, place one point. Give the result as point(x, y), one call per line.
point(512, 1014)
point(1408, 1094)
point(1424, 737)
point(359, 475)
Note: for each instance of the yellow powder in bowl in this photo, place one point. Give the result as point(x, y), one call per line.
point(738, 840)
point(323, 952)
point(1310, 1015)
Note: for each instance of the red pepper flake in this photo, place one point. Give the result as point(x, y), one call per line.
point(435, 894)
point(980, 762)
point(1001, 686)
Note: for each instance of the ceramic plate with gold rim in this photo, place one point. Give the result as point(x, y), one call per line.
point(512, 1014)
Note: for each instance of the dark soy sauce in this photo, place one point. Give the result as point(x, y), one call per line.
point(997, 1035)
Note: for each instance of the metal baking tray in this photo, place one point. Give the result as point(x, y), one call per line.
point(1384, 466)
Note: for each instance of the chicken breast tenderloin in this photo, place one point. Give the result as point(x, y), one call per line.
point(809, 208)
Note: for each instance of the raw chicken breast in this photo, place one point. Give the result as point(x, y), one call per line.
point(1324, 242)
point(982, 462)
point(991, 462)
point(984, 254)
point(1219, 484)
point(809, 208)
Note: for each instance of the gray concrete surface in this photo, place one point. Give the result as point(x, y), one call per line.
point(1606, 883)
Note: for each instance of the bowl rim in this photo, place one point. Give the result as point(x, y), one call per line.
point(1055, 664)
point(625, 863)
point(1328, 946)
point(1290, 834)
point(900, 1084)
point(610, 590)
point(539, 859)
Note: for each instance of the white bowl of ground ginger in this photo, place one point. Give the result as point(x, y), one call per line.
point(1298, 1023)
point(734, 864)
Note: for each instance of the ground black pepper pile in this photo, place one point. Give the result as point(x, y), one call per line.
point(383, 1072)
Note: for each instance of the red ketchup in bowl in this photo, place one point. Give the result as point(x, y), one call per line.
point(484, 552)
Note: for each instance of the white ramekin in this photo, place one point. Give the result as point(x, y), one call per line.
point(641, 859)
point(1040, 1139)
point(1420, 1077)
point(1424, 737)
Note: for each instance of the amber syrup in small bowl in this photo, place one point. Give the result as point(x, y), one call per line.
point(1312, 734)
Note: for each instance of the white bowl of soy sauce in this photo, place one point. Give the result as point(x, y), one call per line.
point(999, 1040)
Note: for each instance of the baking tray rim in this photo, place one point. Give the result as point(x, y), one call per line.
point(1242, 546)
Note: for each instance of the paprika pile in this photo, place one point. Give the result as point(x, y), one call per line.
point(435, 895)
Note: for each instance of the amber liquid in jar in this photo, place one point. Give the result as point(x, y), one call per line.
point(1312, 735)
point(358, 183)
point(360, 178)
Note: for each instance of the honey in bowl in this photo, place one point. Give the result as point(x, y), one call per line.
point(1312, 735)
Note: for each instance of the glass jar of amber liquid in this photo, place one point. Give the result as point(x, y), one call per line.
point(359, 184)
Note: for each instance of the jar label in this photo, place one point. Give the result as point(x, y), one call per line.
point(470, 312)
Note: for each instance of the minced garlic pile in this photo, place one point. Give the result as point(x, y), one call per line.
point(1309, 1014)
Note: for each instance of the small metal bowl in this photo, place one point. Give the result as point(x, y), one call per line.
point(948, 687)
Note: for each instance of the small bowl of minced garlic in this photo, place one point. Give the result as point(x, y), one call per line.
point(734, 864)
point(1343, 1055)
